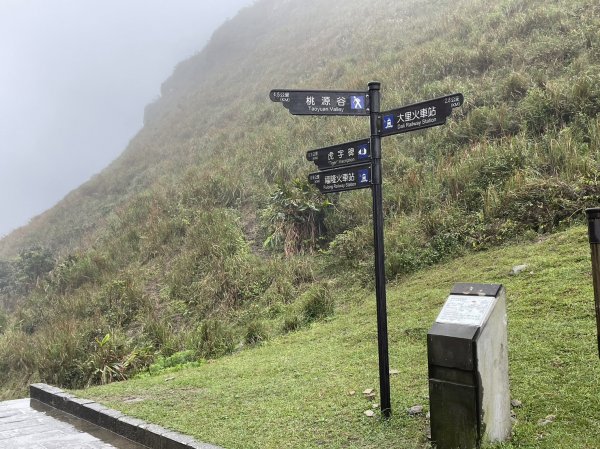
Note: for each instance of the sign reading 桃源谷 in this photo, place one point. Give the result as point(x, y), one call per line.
point(418, 116)
point(322, 102)
point(339, 155)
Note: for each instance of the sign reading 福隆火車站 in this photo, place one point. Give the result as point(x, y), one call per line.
point(339, 155)
point(341, 179)
point(322, 102)
point(418, 116)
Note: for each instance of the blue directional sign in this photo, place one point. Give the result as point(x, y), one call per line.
point(418, 116)
point(364, 150)
point(340, 179)
point(339, 155)
point(357, 102)
point(364, 176)
point(388, 121)
point(322, 102)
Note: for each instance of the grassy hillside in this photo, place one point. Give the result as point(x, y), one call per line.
point(294, 391)
point(524, 66)
point(204, 237)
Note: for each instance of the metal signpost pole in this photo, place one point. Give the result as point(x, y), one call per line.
point(382, 333)
point(593, 216)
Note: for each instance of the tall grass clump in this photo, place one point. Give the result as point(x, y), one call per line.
point(295, 218)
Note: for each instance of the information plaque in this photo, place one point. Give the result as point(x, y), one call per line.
point(467, 310)
point(467, 355)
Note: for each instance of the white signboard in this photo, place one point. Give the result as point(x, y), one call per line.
point(468, 310)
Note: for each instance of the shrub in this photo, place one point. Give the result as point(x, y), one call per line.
point(317, 303)
point(541, 204)
point(295, 218)
point(537, 111)
point(75, 270)
point(213, 245)
point(7, 277)
point(291, 322)
point(120, 300)
point(17, 354)
point(214, 338)
point(256, 332)
point(177, 360)
point(31, 266)
point(352, 248)
point(281, 291)
point(515, 86)
point(105, 363)
point(61, 353)
point(159, 332)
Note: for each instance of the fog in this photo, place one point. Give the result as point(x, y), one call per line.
point(74, 79)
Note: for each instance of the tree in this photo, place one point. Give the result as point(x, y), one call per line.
point(31, 265)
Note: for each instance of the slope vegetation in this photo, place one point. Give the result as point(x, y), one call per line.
point(295, 391)
point(204, 236)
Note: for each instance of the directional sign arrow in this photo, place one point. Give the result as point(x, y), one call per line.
point(340, 179)
point(350, 153)
point(418, 116)
point(322, 102)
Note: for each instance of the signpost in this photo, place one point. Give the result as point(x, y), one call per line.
point(593, 216)
point(357, 165)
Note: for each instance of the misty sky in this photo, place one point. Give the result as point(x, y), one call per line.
point(75, 76)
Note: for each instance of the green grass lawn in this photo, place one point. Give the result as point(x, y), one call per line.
point(294, 391)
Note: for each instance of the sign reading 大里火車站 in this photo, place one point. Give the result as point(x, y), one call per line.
point(418, 116)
